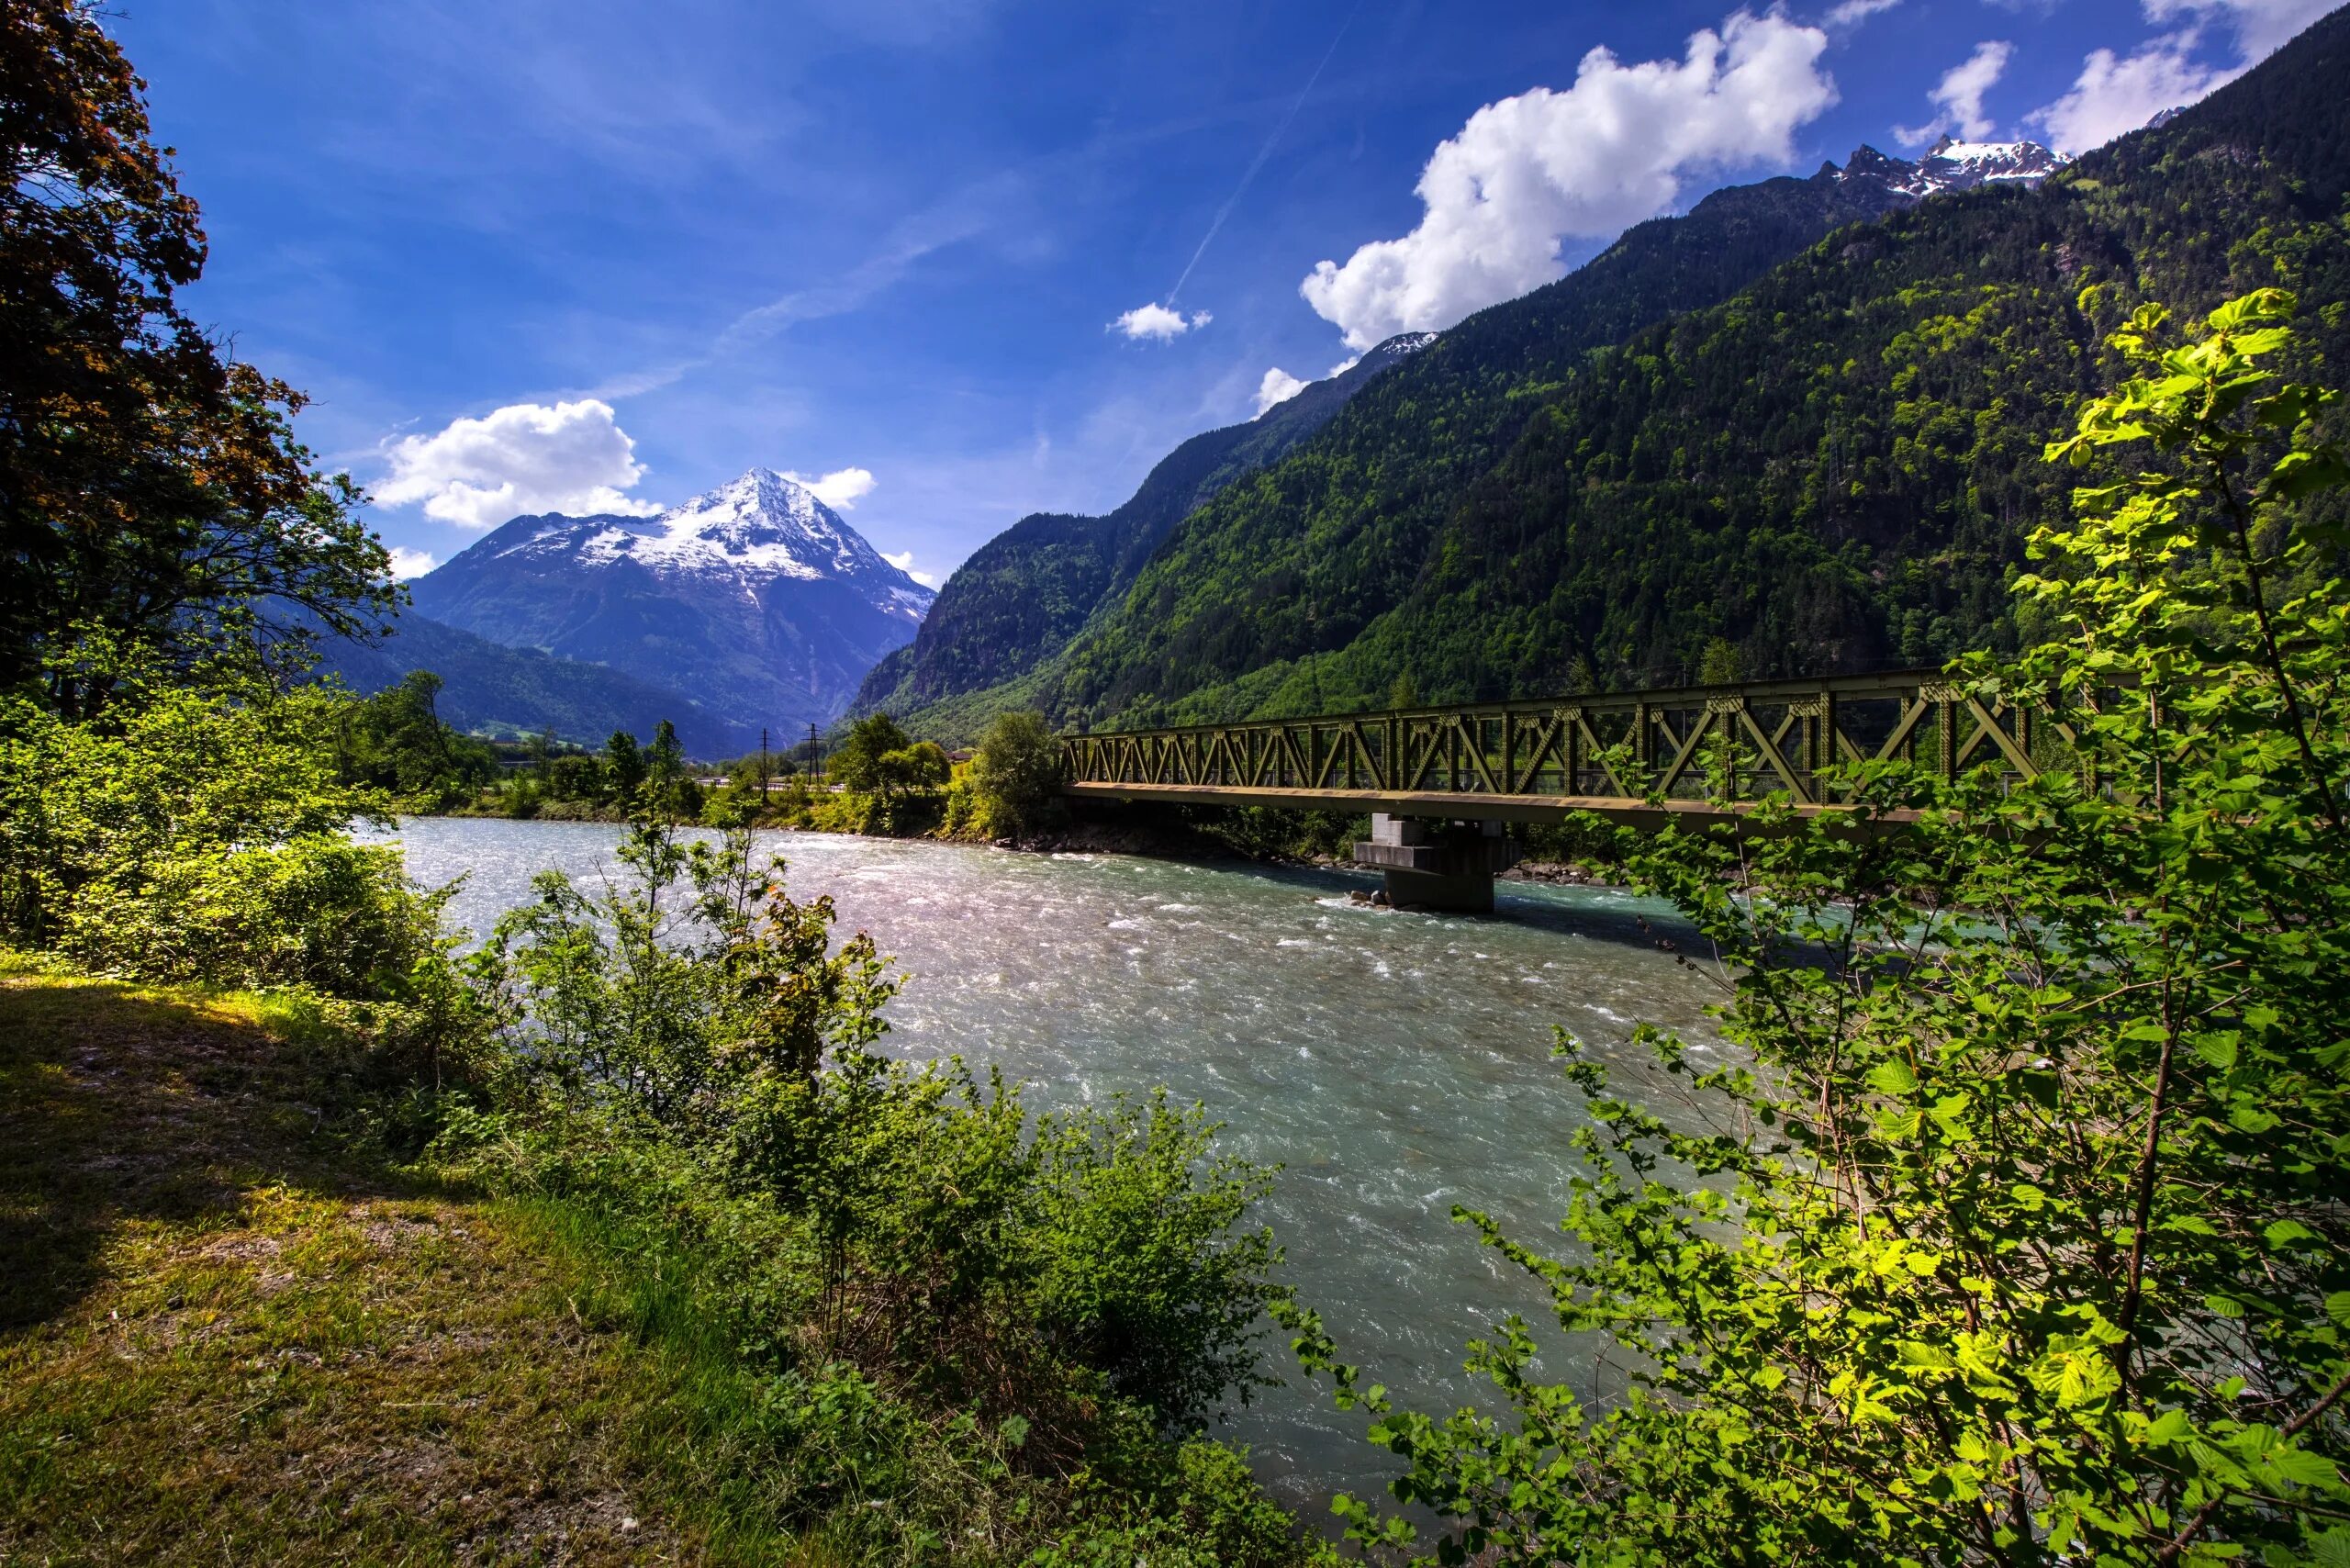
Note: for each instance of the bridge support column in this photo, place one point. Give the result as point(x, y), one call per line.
point(1435, 865)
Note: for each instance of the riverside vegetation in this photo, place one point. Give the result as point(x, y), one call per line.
point(2018, 1236)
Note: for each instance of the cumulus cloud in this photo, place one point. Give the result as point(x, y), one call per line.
point(2261, 26)
point(2115, 95)
point(526, 458)
point(1159, 323)
point(841, 489)
point(408, 562)
point(1279, 386)
point(1960, 94)
point(1527, 172)
point(1855, 11)
point(905, 561)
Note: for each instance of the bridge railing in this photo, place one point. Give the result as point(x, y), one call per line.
point(1757, 738)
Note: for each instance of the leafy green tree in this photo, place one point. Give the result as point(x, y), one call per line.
point(2020, 1237)
point(1017, 773)
point(150, 487)
point(921, 766)
point(396, 741)
point(857, 763)
point(574, 776)
point(624, 768)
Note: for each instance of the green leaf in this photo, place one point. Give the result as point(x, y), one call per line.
point(1892, 1078)
point(2281, 1234)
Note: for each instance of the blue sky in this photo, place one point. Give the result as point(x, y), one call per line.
point(530, 255)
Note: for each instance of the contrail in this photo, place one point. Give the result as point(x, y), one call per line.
point(1262, 153)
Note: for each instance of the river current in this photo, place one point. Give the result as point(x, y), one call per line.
point(1393, 1065)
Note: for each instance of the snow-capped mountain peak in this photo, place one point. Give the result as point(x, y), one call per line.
point(762, 522)
point(754, 597)
point(1955, 165)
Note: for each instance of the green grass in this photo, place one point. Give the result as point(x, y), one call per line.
point(227, 1334)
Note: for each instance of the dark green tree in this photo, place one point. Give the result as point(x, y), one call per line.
point(1017, 773)
point(857, 763)
point(624, 769)
point(150, 487)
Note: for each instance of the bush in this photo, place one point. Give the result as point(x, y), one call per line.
point(319, 911)
point(1001, 1265)
point(196, 834)
point(1016, 776)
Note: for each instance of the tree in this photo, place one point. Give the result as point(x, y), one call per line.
point(921, 766)
point(624, 766)
point(857, 763)
point(2021, 1236)
point(150, 488)
point(1017, 772)
point(395, 741)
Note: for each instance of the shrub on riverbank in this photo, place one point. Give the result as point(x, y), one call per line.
point(963, 1305)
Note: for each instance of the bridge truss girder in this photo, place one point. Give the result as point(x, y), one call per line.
point(1713, 750)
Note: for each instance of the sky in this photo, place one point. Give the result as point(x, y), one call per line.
point(954, 263)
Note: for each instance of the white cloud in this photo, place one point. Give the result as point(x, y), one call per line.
point(526, 458)
point(2261, 26)
point(1960, 94)
point(1527, 172)
point(1278, 387)
point(905, 561)
point(841, 489)
point(1343, 366)
point(408, 562)
point(1158, 322)
point(1852, 11)
point(2115, 95)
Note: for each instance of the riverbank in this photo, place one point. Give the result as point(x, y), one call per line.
point(240, 1324)
point(231, 1330)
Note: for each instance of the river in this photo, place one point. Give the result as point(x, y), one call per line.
point(1393, 1065)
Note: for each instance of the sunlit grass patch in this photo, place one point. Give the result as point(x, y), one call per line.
point(229, 1338)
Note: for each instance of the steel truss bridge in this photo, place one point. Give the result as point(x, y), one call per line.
point(1709, 751)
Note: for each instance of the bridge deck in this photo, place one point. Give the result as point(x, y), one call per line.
point(1465, 807)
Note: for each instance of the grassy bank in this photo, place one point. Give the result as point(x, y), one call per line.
point(233, 1328)
point(239, 1324)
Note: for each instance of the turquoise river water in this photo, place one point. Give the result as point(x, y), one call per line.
point(1393, 1065)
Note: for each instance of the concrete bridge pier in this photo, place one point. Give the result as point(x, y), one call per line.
point(1435, 864)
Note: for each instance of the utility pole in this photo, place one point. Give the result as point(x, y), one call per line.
point(763, 764)
point(815, 752)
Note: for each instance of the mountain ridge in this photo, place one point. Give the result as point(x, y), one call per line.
point(1653, 270)
point(1027, 590)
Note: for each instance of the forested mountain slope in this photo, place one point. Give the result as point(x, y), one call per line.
point(1023, 594)
point(1447, 412)
point(1834, 469)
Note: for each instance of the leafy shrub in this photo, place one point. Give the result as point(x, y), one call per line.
point(1014, 778)
point(318, 911)
point(960, 1249)
point(196, 834)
